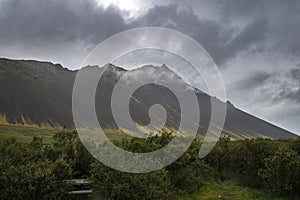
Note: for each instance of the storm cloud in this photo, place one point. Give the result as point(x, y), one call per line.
point(59, 31)
point(253, 81)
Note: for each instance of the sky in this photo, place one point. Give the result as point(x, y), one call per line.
point(255, 44)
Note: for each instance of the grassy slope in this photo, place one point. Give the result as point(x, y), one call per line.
point(26, 133)
point(228, 191)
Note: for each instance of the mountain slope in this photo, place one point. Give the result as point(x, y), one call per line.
point(40, 93)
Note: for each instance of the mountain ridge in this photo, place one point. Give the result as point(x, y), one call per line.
point(40, 93)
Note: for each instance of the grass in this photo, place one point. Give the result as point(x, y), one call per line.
point(26, 133)
point(229, 191)
point(115, 135)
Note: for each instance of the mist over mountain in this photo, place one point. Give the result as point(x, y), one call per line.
point(40, 93)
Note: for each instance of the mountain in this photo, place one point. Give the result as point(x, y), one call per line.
point(40, 93)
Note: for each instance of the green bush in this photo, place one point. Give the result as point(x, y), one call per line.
point(68, 145)
point(189, 173)
point(281, 173)
point(114, 184)
point(38, 171)
point(26, 174)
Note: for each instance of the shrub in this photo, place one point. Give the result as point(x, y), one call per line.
point(281, 173)
point(25, 174)
point(114, 184)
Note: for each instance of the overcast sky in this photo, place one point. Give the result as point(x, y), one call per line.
point(256, 44)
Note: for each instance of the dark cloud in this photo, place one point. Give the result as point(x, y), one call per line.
point(253, 81)
point(40, 21)
point(281, 17)
point(295, 96)
point(57, 31)
point(44, 24)
point(171, 16)
point(214, 36)
point(292, 93)
point(295, 73)
point(270, 24)
point(229, 28)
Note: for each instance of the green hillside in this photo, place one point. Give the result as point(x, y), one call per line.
point(26, 133)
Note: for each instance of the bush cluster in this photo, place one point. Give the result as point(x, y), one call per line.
point(38, 171)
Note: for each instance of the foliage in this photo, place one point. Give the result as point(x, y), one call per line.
point(26, 174)
point(281, 173)
point(241, 160)
point(35, 170)
point(118, 185)
point(189, 173)
point(68, 145)
point(229, 190)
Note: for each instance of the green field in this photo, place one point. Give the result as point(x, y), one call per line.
point(26, 133)
point(228, 190)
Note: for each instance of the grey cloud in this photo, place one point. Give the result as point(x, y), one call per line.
point(272, 24)
point(58, 31)
point(48, 24)
point(275, 23)
point(286, 94)
point(213, 35)
point(274, 87)
point(282, 18)
point(251, 36)
point(58, 21)
point(294, 95)
point(43, 24)
point(295, 73)
point(253, 81)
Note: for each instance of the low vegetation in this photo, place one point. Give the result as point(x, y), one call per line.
point(26, 133)
point(245, 169)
